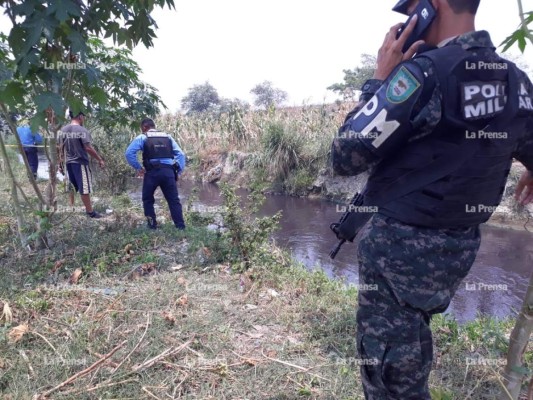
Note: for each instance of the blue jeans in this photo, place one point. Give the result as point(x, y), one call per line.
point(164, 178)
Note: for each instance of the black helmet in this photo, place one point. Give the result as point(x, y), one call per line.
point(402, 7)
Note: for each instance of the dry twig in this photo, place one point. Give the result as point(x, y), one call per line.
point(148, 322)
point(80, 374)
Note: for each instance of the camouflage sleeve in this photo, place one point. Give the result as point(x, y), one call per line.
point(406, 107)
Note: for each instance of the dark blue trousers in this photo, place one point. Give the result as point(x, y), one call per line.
point(33, 159)
point(165, 179)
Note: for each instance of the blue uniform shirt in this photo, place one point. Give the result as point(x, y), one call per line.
point(138, 144)
point(27, 137)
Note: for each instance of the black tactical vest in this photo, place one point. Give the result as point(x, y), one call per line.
point(157, 145)
point(478, 132)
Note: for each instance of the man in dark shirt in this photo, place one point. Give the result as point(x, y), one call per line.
point(75, 148)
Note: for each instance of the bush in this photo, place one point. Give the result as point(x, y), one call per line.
point(111, 146)
point(282, 150)
point(249, 235)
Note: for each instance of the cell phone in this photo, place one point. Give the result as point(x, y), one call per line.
point(426, 15)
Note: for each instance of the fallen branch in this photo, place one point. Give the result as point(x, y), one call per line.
point(150, 393)
point(168, 352)
point(81, 373)
point(108, 362)
point(99, 386)
point(47, 342)
point(148, 322)
point(246, 359)
point(306, 370)
point(27, 359)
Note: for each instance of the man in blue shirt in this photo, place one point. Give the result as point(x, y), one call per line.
point(29, 141)
point(163, 162)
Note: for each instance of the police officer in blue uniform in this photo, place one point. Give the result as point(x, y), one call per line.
point(29, 141)
point(438, 126)
point(163, 162)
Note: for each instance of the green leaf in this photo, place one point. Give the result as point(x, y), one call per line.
point(76, 105)
point(26, 62)
point(512, 39)
point(66, 9)
point(522, 41)
point(77, 42)
point(38, 121)
point(49, 99)
point(13, 94)
point(98, 95)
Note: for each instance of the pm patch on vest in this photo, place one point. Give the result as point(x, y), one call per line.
point(482, 99)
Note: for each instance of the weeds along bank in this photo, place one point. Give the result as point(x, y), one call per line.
point(281, 148)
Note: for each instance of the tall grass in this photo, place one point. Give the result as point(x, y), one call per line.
point(288, 143)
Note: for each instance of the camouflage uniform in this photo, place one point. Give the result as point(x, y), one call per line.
point(416, 270)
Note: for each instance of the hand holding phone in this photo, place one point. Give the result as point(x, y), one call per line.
point(426, 14)
point(390, 54)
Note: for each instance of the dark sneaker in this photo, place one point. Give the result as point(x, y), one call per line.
point(180, 227)
point(94, 214)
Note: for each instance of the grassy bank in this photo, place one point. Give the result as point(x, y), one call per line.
point(113, 310)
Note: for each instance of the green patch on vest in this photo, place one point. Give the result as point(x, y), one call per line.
point(402, 86)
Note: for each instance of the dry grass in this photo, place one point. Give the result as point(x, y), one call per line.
point(269, 334)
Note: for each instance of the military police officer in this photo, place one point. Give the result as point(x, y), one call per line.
point(163, 162)
point(438, 127)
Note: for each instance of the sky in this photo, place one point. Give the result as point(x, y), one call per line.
point(300, 46)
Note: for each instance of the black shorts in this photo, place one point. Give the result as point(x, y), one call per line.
point(80, 177)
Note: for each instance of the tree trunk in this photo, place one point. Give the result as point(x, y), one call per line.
point(14, 194)
point(21, 150)
point(514, 371)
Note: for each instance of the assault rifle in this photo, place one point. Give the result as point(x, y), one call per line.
point(350, 223)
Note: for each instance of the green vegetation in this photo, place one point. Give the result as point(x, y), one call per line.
point(276, 331)
point(218, 312)
point(355, 78)
point(284, 148)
